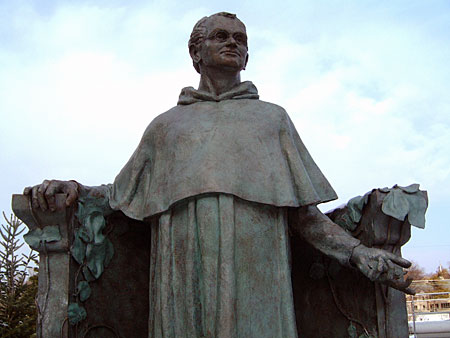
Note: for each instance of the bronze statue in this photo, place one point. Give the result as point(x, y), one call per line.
point(217, 178)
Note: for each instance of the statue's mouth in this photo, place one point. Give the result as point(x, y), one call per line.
point(230, 52)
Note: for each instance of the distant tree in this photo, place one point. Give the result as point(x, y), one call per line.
point(438, 283)
point(441, 273)
point(17, 288)
point(416, 272)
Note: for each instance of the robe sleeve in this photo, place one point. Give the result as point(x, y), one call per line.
point(310, 185)
point(131, 186)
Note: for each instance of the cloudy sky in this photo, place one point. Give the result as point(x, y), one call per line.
point(365, 82)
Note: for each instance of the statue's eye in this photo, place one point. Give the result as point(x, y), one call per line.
point(241, 39)
point(221, 36)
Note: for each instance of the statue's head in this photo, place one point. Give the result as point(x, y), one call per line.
point(219, 41)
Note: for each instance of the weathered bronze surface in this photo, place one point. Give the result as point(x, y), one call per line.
point(194, 236)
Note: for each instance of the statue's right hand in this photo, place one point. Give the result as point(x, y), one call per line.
point(43, 195)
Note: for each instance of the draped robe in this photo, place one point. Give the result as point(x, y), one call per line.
point(215, 177)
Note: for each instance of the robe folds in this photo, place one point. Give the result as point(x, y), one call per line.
point(215, 177)
point(240, 146)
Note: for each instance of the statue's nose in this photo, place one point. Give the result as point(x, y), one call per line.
point(231, 41)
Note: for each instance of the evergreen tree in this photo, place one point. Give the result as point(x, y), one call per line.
point(17, 288)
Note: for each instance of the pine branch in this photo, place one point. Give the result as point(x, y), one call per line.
point(17, 291)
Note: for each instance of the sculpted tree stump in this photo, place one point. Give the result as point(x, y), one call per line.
point(335, 301)
point(118, 302)
point(330, 300)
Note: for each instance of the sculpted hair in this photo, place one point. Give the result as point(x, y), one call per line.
point(199, 33)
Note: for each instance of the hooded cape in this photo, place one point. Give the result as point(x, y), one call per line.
point(232, 143)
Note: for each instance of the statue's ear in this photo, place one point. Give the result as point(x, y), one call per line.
point(195, 54)
point(246, 61)
point(196, 58)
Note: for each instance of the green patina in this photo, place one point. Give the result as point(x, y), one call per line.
point(351, 218)
point(91, 249)
point(46, 235)
point(83, 290)
point(399, 203)
point(353, 333)
point(76, 313)
point(402, 202)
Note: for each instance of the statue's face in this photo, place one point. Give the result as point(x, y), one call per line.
point(225, 46)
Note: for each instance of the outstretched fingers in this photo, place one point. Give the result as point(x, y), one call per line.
point(394, 274)
point(402, 285)
point(404, 263)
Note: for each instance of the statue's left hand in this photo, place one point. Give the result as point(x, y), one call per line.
point(383, 267)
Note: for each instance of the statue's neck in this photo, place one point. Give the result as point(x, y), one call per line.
point(218, 82)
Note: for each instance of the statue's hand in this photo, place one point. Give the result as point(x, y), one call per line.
point(43, 195)
point(382, 266)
